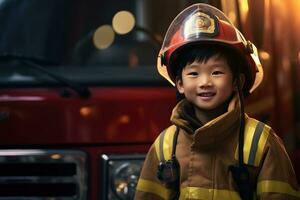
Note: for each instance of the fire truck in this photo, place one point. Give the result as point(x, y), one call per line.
point(81, 101)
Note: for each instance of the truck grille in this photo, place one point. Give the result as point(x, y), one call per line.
point(43, 175)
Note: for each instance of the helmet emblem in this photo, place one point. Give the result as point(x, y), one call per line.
point(200, 23)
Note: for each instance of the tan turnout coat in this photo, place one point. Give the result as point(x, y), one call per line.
point(205, 153)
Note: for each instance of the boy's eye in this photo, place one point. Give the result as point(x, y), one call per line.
point(217, 73)
point(193, 73)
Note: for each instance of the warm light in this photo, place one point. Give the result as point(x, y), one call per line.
point(124, 119)
point(103, 37)
point(298, 55)
point(296, 7)
point(123, 22)
point(56, 156)
point(122, 187)
point(232, 17)
point(244, 9)
point(264, 55)
point(86, 111)
point(230, 10)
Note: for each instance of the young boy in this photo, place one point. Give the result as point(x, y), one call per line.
point(213, 150)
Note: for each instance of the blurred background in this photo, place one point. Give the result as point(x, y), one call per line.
point(80, 94)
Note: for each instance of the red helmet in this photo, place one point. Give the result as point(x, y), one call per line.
point(203, 24)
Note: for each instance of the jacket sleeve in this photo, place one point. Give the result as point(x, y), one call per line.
point(149, 187)
point(276, 179)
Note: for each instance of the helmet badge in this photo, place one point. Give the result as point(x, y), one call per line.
point(200, 23)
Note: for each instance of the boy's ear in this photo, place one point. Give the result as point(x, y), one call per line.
point(179, 85)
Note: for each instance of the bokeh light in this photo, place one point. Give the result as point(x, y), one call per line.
point(123, 22)
point(103, 37)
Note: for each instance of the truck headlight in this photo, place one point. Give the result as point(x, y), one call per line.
point(120, 175)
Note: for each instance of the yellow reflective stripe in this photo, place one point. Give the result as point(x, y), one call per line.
point(261, 145)
point(168, 142)
point(248, 138)
point(156, 144)
point(250, 127)
point(205, 193)
point(153, 187)
point(276, 187)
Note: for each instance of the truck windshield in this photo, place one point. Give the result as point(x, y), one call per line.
point(91, 43)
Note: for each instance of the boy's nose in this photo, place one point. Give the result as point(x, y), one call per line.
point(204, 81)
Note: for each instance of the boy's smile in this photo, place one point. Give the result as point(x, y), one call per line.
point(206, 96)
point(206, 84)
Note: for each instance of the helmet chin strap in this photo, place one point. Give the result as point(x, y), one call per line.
point(242, 123)
point(240, 172)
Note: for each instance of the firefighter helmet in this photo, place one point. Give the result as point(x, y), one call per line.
point(204, 24)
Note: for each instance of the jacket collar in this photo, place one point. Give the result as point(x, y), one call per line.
point(214, 131)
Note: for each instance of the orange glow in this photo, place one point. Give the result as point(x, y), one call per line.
point(264, 55)
point(296, 6)
point(86, 111)
point(124, 119)
point(297, 3)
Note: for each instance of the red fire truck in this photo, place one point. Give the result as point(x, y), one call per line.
point(79, 109)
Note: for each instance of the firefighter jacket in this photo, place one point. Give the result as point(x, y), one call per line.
point(205, 153)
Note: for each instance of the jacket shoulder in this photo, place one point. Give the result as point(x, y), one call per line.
point(164, 143)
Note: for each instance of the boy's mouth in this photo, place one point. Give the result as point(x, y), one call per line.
point(206, 94)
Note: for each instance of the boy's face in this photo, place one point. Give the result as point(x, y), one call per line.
point(206, 84)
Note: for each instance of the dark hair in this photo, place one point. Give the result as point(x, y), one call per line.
point(203, 54)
